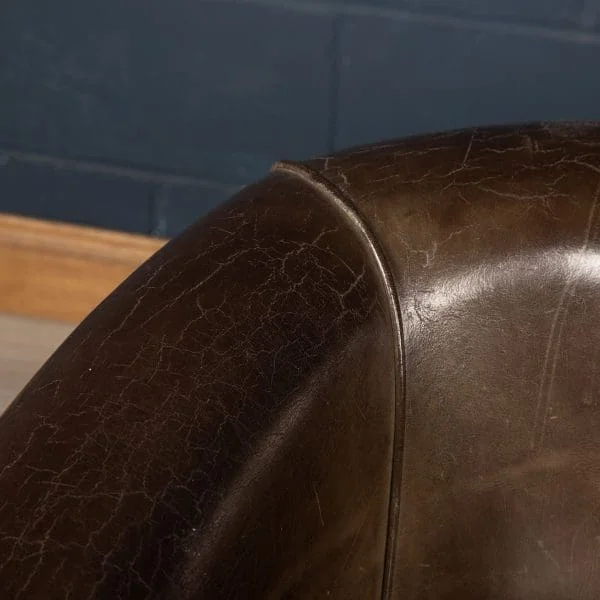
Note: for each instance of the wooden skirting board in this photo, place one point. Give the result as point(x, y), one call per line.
point(60, 271)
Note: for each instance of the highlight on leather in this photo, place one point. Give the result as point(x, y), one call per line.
point(372, 375)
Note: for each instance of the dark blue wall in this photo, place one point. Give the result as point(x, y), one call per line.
point(143, 114)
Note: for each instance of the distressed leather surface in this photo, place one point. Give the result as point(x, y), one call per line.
point(371, 375)
point(220, 427)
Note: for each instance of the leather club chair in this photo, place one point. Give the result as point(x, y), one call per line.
point(368, 376)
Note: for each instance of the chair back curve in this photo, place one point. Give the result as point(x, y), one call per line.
point(492, 236)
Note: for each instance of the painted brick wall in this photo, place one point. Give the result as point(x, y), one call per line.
point(142, 115)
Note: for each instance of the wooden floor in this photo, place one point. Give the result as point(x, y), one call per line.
point(52, 274)
point(25, 344)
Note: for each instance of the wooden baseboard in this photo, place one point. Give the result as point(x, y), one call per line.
point(60, 271)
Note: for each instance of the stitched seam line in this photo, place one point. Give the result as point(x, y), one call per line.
point(343, 202)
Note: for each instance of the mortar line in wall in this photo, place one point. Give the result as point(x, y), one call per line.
point(84, 166)
point(569, 34)
point(153, 221)
point(589, 14)
point(157, 209)
point(334, 83)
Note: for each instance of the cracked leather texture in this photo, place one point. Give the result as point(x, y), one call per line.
point(371, 375)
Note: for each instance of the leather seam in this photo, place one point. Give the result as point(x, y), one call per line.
point(343, 201)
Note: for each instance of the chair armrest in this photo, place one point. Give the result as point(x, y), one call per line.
point(221, 426)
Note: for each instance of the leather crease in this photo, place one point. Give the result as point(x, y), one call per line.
point(346, 206)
